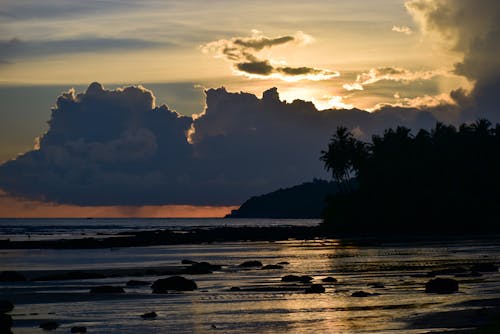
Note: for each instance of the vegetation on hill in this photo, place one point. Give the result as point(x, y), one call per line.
point(306, 200)
point(443, 180)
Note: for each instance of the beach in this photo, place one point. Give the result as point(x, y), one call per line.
point(236, 299)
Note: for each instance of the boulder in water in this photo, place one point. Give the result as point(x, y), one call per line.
point(295, 278)
point(248, 264)
point(6, 306)
point(11, 276)
point(176, 283)
point(315, 288)
point(441, 285)
point(271, 267)
point(329, 280)
point(149, 315)
point(49, 325)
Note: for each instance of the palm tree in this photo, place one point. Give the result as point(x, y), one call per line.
point(344, 156)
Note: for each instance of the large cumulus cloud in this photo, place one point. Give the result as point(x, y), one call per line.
point(116, 147)
point(471, 28)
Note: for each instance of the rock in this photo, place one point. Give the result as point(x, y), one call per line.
point(283, 263)
point(363, 294)
point(315, 288)
point(5, 322)
point(49, 325)
point(107, 289)
point(329, 279)
point(134, 282)
point(149, 315)
point(441, 285)
point(235, 288)
point(484, 267)
point(78, 329)
point(271, 266)
point(248, 264)
point(295, 278)
point(6, 306)
point(201, 268)
point(11, 276)
point(176, 283)
point(377, 285)
point(188, 262)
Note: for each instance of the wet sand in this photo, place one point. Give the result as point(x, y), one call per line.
point(261, 302)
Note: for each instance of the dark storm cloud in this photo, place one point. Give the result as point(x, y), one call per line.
point(16, 48)
point(260, 42)
point(473, 29)
point(116, 147)
point(242, 52)
point(256, 67)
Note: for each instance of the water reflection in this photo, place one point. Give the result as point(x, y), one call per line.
point(399, 269)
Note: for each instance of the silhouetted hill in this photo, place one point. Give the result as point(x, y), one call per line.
point(306, 200)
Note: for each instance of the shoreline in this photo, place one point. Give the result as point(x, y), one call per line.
point(172, 237)
point(161, 237)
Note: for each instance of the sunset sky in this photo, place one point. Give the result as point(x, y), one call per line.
point(412, 62)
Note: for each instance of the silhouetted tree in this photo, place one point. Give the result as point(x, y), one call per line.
point(344, 157)
point(436, 181)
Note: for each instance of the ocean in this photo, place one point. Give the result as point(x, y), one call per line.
point(393, 272)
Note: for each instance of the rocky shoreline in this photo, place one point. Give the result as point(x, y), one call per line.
point(173, 237)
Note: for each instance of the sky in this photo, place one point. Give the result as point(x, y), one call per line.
point(225, 99)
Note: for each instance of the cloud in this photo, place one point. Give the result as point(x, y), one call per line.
point(116, 147)
point(397, 74)
point(243, 54)
point(471, 28)
point(16, 48)
point(402, 29)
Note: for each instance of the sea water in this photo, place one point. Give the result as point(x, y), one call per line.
point(401, 268)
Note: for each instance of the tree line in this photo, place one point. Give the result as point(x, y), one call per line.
point(443, 180)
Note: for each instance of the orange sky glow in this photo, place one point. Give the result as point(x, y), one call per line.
point(18, 208)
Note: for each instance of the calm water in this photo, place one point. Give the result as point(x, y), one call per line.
point(50, 228)
point(215, 309)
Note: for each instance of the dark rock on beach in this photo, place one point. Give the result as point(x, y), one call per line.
point(271, 266)
point(248, 264)
point(134, 282)
point(78, 329)
point(441, 285)
point(5, 322)
point(176, 283)
point(362, 294)
point(107, 289)
point(11, 276)
point(377, 285)
point(149, 315)
point(49, 325)
point(315, 288)
point(283, 263)
point(329, 279)
point(295, 278)
point(6, 306)
point(188, 262)
point(235, 288)
point(200, 268)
